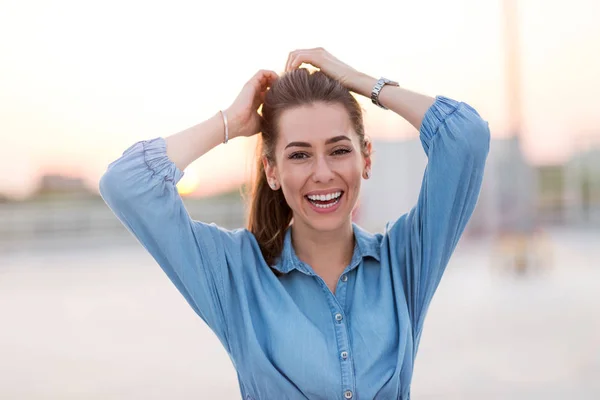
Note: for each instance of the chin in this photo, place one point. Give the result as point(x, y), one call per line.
point(328, 224)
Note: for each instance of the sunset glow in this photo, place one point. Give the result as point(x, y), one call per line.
point(188, 183)
point(82, 82)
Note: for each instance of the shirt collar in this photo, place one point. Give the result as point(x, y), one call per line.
point(366, 245)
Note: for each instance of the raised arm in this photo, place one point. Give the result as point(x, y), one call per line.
point(140, 188)
point(456, 140)
point(242, 120)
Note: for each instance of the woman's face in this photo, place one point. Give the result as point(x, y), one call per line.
point(319, 165)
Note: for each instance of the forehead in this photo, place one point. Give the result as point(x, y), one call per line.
point(314, 123)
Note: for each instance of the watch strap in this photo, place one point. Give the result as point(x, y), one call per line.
point(377, 89)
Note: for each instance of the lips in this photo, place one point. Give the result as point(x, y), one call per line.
point(325, 206)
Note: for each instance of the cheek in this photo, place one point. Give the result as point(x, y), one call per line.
point(292, 183)
point(353, 173)
point(294, 176)
point(356, 184)
point(357, 179)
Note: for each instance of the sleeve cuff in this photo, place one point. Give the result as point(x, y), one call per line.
point(437, 113)
point(155, 156)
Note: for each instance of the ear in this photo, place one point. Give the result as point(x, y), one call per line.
point(270, 173)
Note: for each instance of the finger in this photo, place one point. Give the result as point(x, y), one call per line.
point(258, 74)
point(271, 76)
point(290, 57)
point(255, 80)
point(267, 79)
point(267, 75)
point(258, 100)
point(262, 78)
point(296, 62)
point(306, 57)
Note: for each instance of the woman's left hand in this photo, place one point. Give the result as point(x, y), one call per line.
point(331, 66)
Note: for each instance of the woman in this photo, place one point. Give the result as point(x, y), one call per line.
point(306, 303)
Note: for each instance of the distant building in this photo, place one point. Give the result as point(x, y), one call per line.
point(551, 194)
point(393, 189)
point(52, 184)
point(506, 201)
point(508, 196)
point(582, 188)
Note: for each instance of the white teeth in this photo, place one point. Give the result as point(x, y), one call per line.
point(326, 205)
point(325, 197)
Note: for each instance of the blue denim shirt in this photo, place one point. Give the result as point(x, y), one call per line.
point(289, 336)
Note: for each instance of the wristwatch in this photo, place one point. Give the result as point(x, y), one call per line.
point(377, 88)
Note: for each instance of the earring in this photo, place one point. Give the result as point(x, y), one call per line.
point(367, 174)
point(273, 185)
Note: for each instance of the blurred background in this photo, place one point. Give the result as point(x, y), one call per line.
point(85, 313)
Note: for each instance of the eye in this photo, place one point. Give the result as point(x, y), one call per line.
point(297, 156)
point(342, 151)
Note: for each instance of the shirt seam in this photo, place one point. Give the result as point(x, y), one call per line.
point(221, 289)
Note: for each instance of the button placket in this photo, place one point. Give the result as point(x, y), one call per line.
point(341, 291)
point(341, 334)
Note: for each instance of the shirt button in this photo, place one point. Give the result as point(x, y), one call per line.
point(344, 278)
point(338, 317)
point(344, 354)
point(348, 394)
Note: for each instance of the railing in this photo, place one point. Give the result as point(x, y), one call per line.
point(66, 223)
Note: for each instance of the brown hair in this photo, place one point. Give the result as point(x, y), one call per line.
point(269, 214)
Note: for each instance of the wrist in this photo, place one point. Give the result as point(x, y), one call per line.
point(233, 123)
point(363, 84)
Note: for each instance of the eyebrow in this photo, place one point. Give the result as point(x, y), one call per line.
point(329, 141)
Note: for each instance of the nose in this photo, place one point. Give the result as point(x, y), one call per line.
point(322, 170)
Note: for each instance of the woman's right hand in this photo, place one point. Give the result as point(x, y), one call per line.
point(242, 114)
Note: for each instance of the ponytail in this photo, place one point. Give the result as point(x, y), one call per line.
point(269, 215)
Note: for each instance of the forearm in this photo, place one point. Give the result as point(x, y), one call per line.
point(409, 105)
point(190, 144)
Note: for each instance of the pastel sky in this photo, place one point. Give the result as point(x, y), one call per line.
point(80, 81)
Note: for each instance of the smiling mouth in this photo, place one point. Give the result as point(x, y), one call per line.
point(325, 203)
